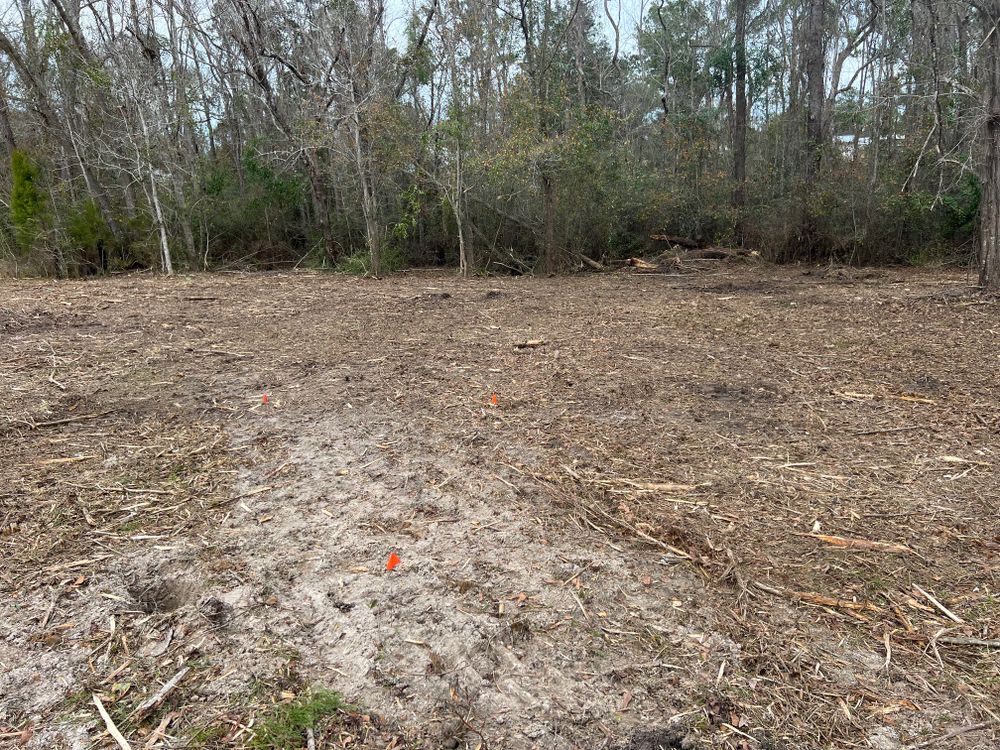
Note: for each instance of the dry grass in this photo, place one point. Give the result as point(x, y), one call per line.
point(821, 451)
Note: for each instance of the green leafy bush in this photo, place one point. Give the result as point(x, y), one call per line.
point(360, 263)
point(89, 234)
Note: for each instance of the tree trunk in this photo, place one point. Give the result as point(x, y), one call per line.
point(168, 266)
point(6, 131)
point(371, 228)
point(989, 216)
point(815, 70)
point(815, 66)
point(58, 256)
point(463, 249)
point(740, 124)
point(368, 205)
point(182, 209)
point(321, 204)
point(154, 198)
point(549, 223)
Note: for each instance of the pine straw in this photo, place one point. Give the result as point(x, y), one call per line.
point(75, 500)
point(819, 450)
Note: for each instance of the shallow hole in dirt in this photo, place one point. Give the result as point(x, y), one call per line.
point(338, 604)
point(658, 739)
point(159, 595)
point(519, 630)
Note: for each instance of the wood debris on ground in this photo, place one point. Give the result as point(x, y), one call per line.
point(694, 423)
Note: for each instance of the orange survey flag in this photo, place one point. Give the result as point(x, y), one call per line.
point(393, 561)
point(494, 400)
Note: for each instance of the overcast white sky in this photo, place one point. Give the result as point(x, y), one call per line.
point(630, 12)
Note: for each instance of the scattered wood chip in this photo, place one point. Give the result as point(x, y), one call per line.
point(161, 730)
point(959, 641)
point(659, 486)
point(914, 399)
point(74, 564)
point(960, 460)
point(944, 610)
point(112, 728)
point(855, 395)
point(864, 544)
point(69, 420)
point(820, 600)
point(160, 695)
point(67, 460)
point(942, 741)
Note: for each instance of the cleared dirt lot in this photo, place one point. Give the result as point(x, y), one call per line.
point(748, 507)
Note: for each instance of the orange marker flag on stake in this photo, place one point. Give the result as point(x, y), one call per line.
point(265, 399)
point(494, 399)
point(393, 561)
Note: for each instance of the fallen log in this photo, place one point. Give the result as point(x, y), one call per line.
point(640, 263)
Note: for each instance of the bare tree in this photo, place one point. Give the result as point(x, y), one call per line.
point(988, 244)
point(740, 123)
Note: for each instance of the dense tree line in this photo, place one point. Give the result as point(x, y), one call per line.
point(498, 135)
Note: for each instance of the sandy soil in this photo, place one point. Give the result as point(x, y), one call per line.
point(744, 507)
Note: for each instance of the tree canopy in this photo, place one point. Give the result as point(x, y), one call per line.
point(494, 136)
